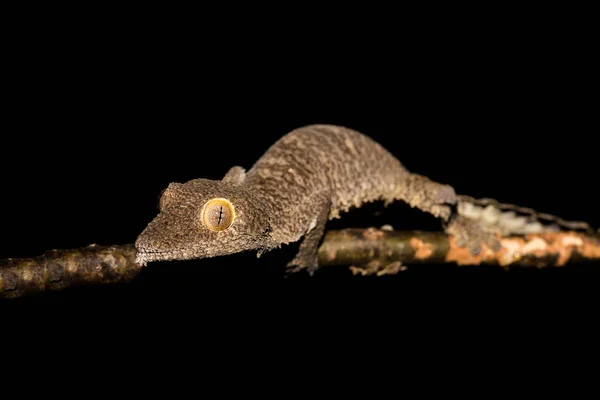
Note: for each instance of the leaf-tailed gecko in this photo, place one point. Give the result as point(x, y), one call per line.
point(307, 177)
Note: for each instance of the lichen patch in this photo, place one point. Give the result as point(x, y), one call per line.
point(422, 250)
point(535, 246)
point(571, 240)
point(372, 234)
point(511, 251)
point(590, 249)
point(463, 256)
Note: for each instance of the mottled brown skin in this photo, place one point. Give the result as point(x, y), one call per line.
point(307, 177)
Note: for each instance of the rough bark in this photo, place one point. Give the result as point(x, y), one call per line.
point(364, 251)
point(59, 269)
point(374, 251)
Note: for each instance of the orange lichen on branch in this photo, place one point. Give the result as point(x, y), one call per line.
point(463, 256)
point(590, 249)
point(569, 243)
point(542, 249)
point(422, 250)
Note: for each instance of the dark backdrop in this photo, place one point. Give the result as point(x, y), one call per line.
point(95, 128)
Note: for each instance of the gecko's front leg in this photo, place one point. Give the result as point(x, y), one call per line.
point(306, 258)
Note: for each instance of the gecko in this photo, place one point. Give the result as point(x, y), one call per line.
point(309, 176)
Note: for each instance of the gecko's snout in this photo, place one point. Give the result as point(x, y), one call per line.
point(144, 244)
point(146, 249)
point(153, 245)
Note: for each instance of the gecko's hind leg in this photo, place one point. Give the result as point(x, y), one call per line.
point(470, 234)
point(306, 258)
point(439, 200)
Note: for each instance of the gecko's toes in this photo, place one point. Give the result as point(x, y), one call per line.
point(468, 233)
point(299, 264)
point(443, 199)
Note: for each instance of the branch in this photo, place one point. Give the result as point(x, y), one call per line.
point(365, 251)
point(380, 252)
point(60, 269)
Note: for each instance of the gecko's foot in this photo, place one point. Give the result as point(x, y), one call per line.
point(438, 200)
point(469, 233)
point(299, 263)
point(443, 196)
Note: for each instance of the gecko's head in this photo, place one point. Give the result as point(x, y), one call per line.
point(203, 218)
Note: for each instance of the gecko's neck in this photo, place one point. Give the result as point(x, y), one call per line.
point(282, 207)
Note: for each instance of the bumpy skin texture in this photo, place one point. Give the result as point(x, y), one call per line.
point(311, 175)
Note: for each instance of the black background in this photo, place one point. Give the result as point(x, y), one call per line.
point(96, 125)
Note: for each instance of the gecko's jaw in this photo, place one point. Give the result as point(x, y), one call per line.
point(145, 256)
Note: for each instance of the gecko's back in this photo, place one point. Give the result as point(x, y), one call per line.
point(351, 167)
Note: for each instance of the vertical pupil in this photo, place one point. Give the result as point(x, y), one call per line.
point(217, 215)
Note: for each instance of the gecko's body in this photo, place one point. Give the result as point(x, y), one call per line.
point(307, 177)
point(318, 172)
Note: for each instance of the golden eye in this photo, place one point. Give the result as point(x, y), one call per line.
point(218, 214)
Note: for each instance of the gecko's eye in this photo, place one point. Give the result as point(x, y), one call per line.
point(218, 214)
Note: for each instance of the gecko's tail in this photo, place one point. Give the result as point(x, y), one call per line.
point(509, 219)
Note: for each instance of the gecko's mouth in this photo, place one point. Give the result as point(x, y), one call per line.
point(146, 255)
point(150, 251)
